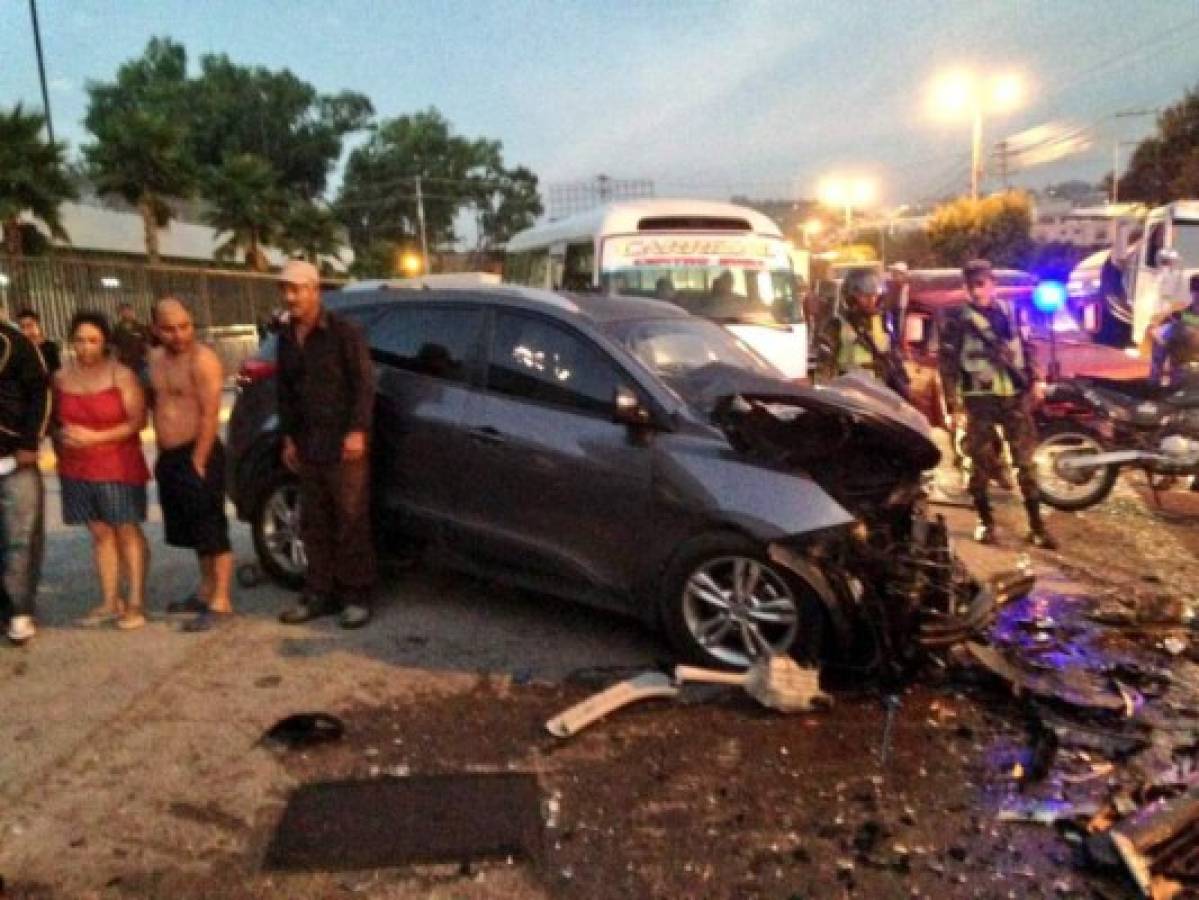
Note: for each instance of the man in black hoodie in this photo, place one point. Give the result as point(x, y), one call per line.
point(24, 414)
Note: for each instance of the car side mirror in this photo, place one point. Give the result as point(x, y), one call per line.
point(627, 409)
point(1167, 256)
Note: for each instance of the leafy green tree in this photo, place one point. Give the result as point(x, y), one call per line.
point(378, 197)
point(995, 228)
point(33, 177)
point(508, 203)
point(1163, 166)
point(140, 127)
point(311, 230)
point(234, 109)
point(247, 204)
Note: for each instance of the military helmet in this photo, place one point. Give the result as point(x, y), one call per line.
point(859, 283)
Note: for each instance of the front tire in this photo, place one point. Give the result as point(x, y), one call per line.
point(723, 601)
point(275, 525)
point(1071, 491)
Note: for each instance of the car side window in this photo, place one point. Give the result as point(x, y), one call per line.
point(428, 340)
point(536, 360)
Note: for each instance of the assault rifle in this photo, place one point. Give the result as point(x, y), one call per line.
point(1001, 354)
point(888, 366)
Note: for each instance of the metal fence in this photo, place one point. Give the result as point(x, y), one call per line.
point(58, 287)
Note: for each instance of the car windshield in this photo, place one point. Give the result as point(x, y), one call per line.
point(1186, 242)
point(677, 348)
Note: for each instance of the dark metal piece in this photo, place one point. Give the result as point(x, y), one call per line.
point(891, 705)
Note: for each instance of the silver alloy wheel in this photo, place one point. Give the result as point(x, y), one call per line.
point(281, 529)
point(1064, 485)
point(733, 605)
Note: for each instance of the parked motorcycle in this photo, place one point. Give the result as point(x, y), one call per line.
point(1091, 428)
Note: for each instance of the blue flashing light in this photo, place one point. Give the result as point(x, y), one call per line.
point(1049, 296)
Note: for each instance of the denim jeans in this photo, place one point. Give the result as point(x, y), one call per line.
point(23, 536)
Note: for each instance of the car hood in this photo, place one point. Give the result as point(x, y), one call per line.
point(794, 425)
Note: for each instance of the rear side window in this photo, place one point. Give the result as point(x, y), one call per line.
point(433, 341)
point(536, 360)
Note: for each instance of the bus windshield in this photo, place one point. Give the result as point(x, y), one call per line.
point(724, 294)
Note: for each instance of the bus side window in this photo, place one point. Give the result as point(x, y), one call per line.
point(539, 269)
point(516, 268)
point(580, 262)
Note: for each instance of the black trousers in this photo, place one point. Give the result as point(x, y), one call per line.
point(335, 524)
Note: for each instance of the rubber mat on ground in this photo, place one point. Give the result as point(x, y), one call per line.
point(346, 825)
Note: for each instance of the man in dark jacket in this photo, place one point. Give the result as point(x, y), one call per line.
point(987, 367)
point(24, 414)
point(326, 401)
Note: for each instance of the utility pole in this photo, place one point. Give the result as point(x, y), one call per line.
point(1002, 149)
point(420, 218)
point(41, 69)
point(1127, 114)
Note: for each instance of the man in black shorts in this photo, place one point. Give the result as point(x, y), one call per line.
point(186, 377)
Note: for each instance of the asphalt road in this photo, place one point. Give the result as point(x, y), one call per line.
point(127, 753)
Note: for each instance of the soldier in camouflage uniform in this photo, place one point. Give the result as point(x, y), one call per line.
point(987, 368)
point(857, 339)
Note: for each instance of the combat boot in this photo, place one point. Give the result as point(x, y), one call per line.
point(984, 531)
point(1038, 534)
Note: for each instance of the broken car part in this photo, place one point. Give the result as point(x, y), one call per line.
point(303, 730)
point(774, 681)
point(595, 707)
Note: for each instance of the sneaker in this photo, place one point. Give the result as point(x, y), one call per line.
point(1041, 539)
point(986, 534)
point(21, 629)
point(354, 616)
point(307, 608)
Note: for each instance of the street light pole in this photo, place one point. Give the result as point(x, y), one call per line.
point(976, 151)
point(41, 69)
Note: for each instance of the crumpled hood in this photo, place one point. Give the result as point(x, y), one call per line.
point(799, 425)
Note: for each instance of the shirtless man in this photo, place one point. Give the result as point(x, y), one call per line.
point(186, 379)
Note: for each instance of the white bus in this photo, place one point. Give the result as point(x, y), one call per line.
point(716, 260)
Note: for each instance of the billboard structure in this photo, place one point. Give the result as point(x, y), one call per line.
point(566, 199)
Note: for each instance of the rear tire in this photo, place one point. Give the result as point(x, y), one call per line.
point(1075, 492)
point(275, 526)
point(721, 586)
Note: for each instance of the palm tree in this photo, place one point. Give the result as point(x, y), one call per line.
point(247, 204)
point(311, 230)
point(142, 156)
point(33, 177)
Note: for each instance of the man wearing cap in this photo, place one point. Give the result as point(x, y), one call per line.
point(987, 369)
point(326, 398)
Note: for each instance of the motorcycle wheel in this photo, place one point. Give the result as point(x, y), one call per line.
point(1072, 491)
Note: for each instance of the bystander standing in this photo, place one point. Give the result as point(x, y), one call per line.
point(326, 399)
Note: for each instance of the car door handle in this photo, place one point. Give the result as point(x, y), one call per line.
point(487, 435)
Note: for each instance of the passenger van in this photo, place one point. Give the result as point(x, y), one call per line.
point(723, 262)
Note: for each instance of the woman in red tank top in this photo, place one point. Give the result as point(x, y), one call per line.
point(100, 409)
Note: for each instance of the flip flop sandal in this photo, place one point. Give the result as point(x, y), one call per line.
point(206, 621)
point(190, 604)
point(98, 616)
point(131, 621)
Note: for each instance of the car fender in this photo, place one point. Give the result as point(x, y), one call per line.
point(764, 503)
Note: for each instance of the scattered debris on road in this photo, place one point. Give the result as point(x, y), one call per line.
point(641, 687)
point(303, 730)
point(776, 682)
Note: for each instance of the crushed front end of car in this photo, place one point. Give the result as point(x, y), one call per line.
point(892, 587)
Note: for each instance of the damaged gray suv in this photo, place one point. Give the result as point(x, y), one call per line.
point(622, 453)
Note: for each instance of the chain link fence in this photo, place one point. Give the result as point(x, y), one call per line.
point(226, 306)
